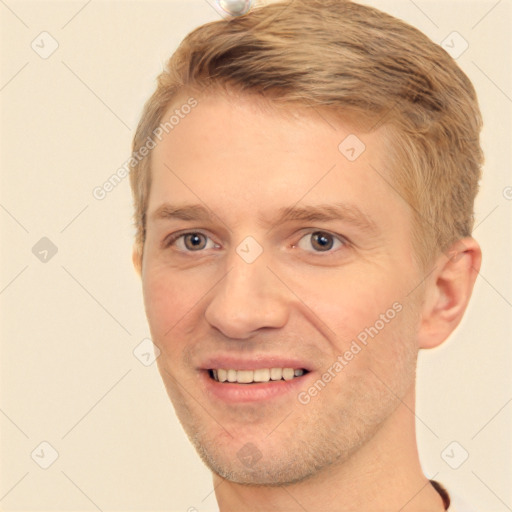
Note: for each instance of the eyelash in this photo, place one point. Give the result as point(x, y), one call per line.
point(172, 239)
point(343, 242)
point(175, 237)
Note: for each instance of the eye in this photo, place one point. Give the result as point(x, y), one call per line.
point(190, 242)
point(320, 241)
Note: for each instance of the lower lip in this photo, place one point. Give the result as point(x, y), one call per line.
point(258, 392)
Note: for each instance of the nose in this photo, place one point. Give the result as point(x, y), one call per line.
point(249, 298)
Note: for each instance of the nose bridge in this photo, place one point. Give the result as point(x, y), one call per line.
point(247, 299)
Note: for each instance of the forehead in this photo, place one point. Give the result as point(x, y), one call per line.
point(240, 156)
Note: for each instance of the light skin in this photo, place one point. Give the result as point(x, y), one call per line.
point(315, 287)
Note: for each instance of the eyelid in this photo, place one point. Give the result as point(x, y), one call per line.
point(345, 242)
point(173, 237)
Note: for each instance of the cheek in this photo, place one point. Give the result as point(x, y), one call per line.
point(348, 301)
point(173, 299)
point(368, 319)
point(166, 300)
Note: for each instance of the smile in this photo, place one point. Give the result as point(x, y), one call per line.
point(255, 376)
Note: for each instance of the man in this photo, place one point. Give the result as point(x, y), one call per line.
point(304, 178)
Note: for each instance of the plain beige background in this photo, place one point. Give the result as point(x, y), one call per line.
point(69, 325)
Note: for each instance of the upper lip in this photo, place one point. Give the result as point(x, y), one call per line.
point(253, 363)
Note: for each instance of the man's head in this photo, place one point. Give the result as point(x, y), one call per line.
point(296, 214)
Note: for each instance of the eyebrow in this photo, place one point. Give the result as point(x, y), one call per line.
point(327, 212)
point(190, 212)
point(309, 213)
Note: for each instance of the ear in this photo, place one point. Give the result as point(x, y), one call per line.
point(137, 260)
point(448, 290)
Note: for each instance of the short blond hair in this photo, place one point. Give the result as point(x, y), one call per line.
point(358, 63)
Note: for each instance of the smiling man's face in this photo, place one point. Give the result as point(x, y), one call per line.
point(336, 256)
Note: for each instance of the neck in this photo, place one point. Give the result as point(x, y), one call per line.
point(384, 474)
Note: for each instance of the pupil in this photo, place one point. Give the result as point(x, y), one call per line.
point(195, 240)
point(323, 240)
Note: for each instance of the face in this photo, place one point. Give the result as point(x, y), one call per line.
point(277, 280)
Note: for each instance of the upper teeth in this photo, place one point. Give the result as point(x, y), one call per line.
point(260, 375)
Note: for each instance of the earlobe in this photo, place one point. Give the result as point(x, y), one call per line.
point(448, 291)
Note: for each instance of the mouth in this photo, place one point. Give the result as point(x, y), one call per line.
point(261, 375)
point(232, 380)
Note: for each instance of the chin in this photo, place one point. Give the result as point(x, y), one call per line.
point(275, 474)
point(272, 464)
